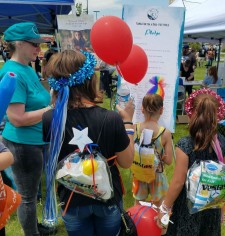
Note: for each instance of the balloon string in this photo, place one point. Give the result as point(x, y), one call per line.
point(119, 70)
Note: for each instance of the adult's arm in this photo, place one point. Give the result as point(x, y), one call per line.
point(19, 117)
point(126, 157)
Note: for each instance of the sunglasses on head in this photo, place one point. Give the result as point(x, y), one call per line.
point(36, 45)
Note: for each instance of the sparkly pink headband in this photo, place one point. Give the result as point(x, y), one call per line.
point(190, 100)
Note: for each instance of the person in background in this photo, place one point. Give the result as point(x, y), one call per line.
point(152, 108)
point(212, 78)
point(200, 57)
point(210, 54)
point(189, 55)
point(106, 72)
point(1, 46)
point(216, 50)
point(22, 134)
point(186, 70)
point(47, 56)
point(53, 44)
point(75, 71)
point(6, 54)
point(204, 109)
point(37, 67)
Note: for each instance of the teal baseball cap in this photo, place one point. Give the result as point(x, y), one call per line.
point(26, 31)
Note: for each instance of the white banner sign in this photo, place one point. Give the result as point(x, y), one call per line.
point(159, 31)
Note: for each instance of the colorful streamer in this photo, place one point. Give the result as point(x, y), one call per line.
point(158, 86)
point(50, 212)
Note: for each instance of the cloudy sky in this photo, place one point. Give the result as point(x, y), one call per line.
point(112, 7)
point(105, 7)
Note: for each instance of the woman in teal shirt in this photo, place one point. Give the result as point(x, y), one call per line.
point(23, 131)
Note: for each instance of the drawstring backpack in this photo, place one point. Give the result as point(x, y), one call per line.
point(147, 160)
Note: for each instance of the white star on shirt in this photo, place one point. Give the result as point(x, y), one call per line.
point(80, 138)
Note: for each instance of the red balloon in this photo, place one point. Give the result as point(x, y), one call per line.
point(134, 68)
point(111, 39)
point(143, 217)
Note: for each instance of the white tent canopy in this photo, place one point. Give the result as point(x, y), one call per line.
point(204, 21)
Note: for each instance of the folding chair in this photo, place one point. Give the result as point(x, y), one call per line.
point(221, 92)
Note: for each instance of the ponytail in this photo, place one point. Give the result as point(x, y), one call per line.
point(203, 123)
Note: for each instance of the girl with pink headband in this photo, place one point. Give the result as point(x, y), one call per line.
point(204, 108)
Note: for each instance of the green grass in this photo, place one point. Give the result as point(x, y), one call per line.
point(13, 227)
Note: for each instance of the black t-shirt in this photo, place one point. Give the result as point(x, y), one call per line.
point(187, 73)
point(113, 139)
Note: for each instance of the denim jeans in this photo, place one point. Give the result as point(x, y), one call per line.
point(27, 170)
point(93, 220)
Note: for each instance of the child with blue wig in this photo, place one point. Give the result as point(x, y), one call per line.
point(71, 76)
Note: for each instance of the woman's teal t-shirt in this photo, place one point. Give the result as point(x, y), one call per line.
point(30, 92)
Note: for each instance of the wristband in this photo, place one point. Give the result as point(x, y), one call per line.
point(164, 209)
point(128, 123)
point(130, 132)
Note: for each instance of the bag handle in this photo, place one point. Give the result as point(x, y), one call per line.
point(152, 142)
point(102, 127)
point(217, 148)
point(138, 134)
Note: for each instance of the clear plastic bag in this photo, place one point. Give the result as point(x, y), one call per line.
point(87, 174)
point(205, 185)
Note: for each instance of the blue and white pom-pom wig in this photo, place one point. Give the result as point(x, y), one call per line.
point(61, 85)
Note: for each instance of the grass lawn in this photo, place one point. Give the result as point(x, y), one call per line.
point(13, 227)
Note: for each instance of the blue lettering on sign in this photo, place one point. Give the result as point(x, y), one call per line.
point(152, 32)
point(211, 167)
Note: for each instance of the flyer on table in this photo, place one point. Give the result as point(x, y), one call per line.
point(159, 31)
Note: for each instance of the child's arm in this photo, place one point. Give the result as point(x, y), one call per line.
point(168, 147)
point(6, 157)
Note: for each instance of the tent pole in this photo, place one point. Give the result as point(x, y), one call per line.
point(57, 40)
point(218, 56)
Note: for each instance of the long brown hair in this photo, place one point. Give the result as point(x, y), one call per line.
point(213, 73)
point(68, 62)
point(203, 122)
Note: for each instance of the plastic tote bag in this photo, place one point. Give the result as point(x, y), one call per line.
point(205, 186)
point(87, 174)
